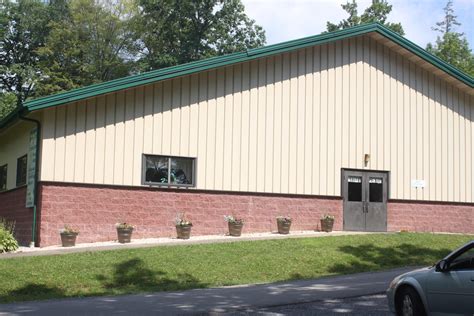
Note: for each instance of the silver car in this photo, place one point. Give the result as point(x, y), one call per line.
point(446, 288)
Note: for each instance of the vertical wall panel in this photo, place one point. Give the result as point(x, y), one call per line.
point(236, 128)
point(330, 145)
point(99, 150)
point(80, 135)
point(119, 153)
point(70, 150)
point(300, 118)
point(110, 137)
point(228, 129)
point(284, 124)
point(218, 149)
point(308, 123)
point(89, 153)
point(245, 139)
point(269, 124)
point(277, 125)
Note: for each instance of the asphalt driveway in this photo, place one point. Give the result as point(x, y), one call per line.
point(216, 300)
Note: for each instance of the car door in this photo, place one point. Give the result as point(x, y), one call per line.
point(452, 291)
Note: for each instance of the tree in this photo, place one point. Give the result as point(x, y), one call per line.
point(92, 43)
point(179, 31)
point(23, 26)
point(378, 11)
point(8, 103)
point(452, 46)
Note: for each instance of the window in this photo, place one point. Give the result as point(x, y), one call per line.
point(21, 165)
point(354, 188)
point(464, 261)
point(375, 190)
point(171, 171)
point(3, 177)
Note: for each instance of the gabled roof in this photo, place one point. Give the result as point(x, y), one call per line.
point(251, 54)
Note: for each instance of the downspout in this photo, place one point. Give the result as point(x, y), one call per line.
point(35, 192)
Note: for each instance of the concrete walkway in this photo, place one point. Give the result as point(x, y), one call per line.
point(152, 242)
point(214, 300)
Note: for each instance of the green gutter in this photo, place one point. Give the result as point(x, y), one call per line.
point(36, 177)
point(226, 60)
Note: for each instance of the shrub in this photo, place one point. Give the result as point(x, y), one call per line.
point(7, 241)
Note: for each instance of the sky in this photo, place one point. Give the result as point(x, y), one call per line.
point(291, 19)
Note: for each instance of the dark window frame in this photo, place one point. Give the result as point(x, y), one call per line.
point(3, 186)
point(19, 181)
point(169, 157)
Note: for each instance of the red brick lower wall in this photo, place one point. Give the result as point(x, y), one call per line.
point(94, 210)
point(12, 207)
point(430, 217)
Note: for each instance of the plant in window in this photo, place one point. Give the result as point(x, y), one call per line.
point(283, 224)
point(68, 236)
point(235, 225)
point(183, 226)
point(327, 223)
point(124, 232)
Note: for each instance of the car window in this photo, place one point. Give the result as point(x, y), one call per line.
point(464, 261)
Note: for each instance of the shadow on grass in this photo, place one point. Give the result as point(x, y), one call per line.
point(134, 276)
point(32, 291)
point(127, 277)
point(371, 257)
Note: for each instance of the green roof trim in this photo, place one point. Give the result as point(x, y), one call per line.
point(251, 54)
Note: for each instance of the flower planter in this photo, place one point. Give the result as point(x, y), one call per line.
point(183, 231)
point(235, 229)
point(68, 239)
point(283, 227)
point(124, 235)
point(326, 225)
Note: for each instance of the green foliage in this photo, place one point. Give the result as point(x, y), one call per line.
point(23, 26)
point(7, 103)
point(93, 42)
point(378, 11)
point(7, 241)
point(52, 46)
point(452, 46)
point(454, 49)
point(175, 31)
point(182, 267)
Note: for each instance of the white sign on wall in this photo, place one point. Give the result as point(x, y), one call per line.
point(418, 183)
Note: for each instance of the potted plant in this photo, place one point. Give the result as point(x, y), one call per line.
point(68, 236)
point(183, 227)
point(284, 224)
point(327, 222)
point(124, 232)
point(235, 225)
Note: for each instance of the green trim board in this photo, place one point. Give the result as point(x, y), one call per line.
point(226, 60)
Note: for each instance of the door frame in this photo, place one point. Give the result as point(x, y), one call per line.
point(387, 172)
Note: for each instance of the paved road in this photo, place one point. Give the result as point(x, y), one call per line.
point(364, 305)
point(218, 300)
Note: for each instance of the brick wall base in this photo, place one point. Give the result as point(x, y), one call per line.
point(94, 210)
point(12, 207)
point(430, 217)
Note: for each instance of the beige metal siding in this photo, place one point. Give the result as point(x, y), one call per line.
point(14, 143)
point(283, 124)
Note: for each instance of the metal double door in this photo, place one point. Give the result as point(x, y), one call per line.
point(365, 195)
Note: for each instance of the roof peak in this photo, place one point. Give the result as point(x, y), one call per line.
point(249, 54)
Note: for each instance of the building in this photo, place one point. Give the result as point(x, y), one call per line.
point(360, 123)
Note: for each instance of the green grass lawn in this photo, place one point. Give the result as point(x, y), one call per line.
point(199, 266)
